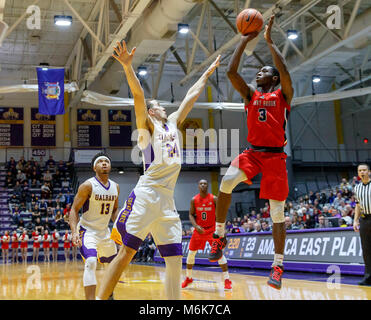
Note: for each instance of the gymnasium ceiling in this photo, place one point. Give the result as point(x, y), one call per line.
point(340, 55)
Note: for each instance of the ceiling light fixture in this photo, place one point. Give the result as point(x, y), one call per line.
point(62, 21)
point(183, 28)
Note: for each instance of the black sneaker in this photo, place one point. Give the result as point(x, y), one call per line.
point(275, 277)
point(111, 297)
point(217, 248)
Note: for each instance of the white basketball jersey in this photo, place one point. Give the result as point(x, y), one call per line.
point(97, 210)
point(162, 157)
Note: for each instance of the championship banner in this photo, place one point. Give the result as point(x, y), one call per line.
point(11, 127)
point(119, 122)
point(89, 133)
point(305, 250)
point(51, 91)
point(42, 129)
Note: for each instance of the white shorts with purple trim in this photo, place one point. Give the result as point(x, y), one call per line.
point(149, 210)
point(97, 244)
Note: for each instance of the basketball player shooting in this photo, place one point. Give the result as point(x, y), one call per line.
point(267, 113)
point(98, 198)
point(150, 207)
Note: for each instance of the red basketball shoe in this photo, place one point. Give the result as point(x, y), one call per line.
point(275, 277)
point(217, 247)
point(187, 282)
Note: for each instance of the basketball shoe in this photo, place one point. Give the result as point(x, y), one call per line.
point(275, 277)
point(227, 284)
point(217, 248)
point(187, 282)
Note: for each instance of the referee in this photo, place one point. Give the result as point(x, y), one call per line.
point(362, 218)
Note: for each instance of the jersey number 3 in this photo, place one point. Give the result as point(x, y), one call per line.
point(105, 208)
point(262, 114)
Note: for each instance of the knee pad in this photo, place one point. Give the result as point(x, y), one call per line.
point(191, 257)
point(89, 278)
point(277, 211)
point(223, 260)
point(231, 179)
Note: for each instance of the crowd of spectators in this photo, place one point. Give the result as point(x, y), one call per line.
point(329, 208)
point(40, 194)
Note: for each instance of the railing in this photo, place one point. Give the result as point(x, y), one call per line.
point(330, 155)
point(224, 155)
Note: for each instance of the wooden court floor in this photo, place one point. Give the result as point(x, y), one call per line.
point(63, 281)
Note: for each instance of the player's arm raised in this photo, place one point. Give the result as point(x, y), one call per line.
point(125, 58)
point(116, 205)
point(246, 90)
point(280, 63)
point(193, 94)
point(82, 195)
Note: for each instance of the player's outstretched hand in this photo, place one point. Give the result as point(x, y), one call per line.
point(76, 239)
point(213, 66)
point(122, 54)
point(249, 36)
point(268, 30)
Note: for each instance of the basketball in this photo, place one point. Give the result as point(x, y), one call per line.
point(249, 20)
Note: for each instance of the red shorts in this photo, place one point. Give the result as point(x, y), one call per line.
point(5, 246)
point(55, 245)
point(67, 245)
point(24, 245)
point(198, 241)
point(46, 245)
point(14, 245)
point(36, 245)
point(274, 183)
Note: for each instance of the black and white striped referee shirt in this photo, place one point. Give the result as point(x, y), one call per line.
point(362, 194)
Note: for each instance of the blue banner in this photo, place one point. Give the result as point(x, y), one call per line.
point(51, 91)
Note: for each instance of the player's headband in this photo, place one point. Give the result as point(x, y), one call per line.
point(101, 158)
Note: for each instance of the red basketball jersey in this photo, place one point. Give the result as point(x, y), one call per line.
point(205, 210)
point(267, 114)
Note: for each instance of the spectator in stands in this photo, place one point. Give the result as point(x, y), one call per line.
point(288, 223)
point(347, 219)
point(41, 162)
point(35, 184)
point(345, 185)
point(13, 202)
point(21, 177)
point(46, 191)
point(62, 168)
point(11, 162)
point(265, 226)
point(321, 222)
point(43, 205)
point(146, 250)
point(65, 183)
point(19, 166)
point(297, 222)
point(326, 212)
point(57, 179)
point(9, 183)
point(21, 223)
point(257, 226)
point(250, 226)
point(50, 164)
point(59, 222)
point(38, 226)
point(17, 188)
point(245, 227)
point(60, 200)
point(66, 212)
point(16, 214)
point(34, 175)
point(47, 176)
point(34, 215)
